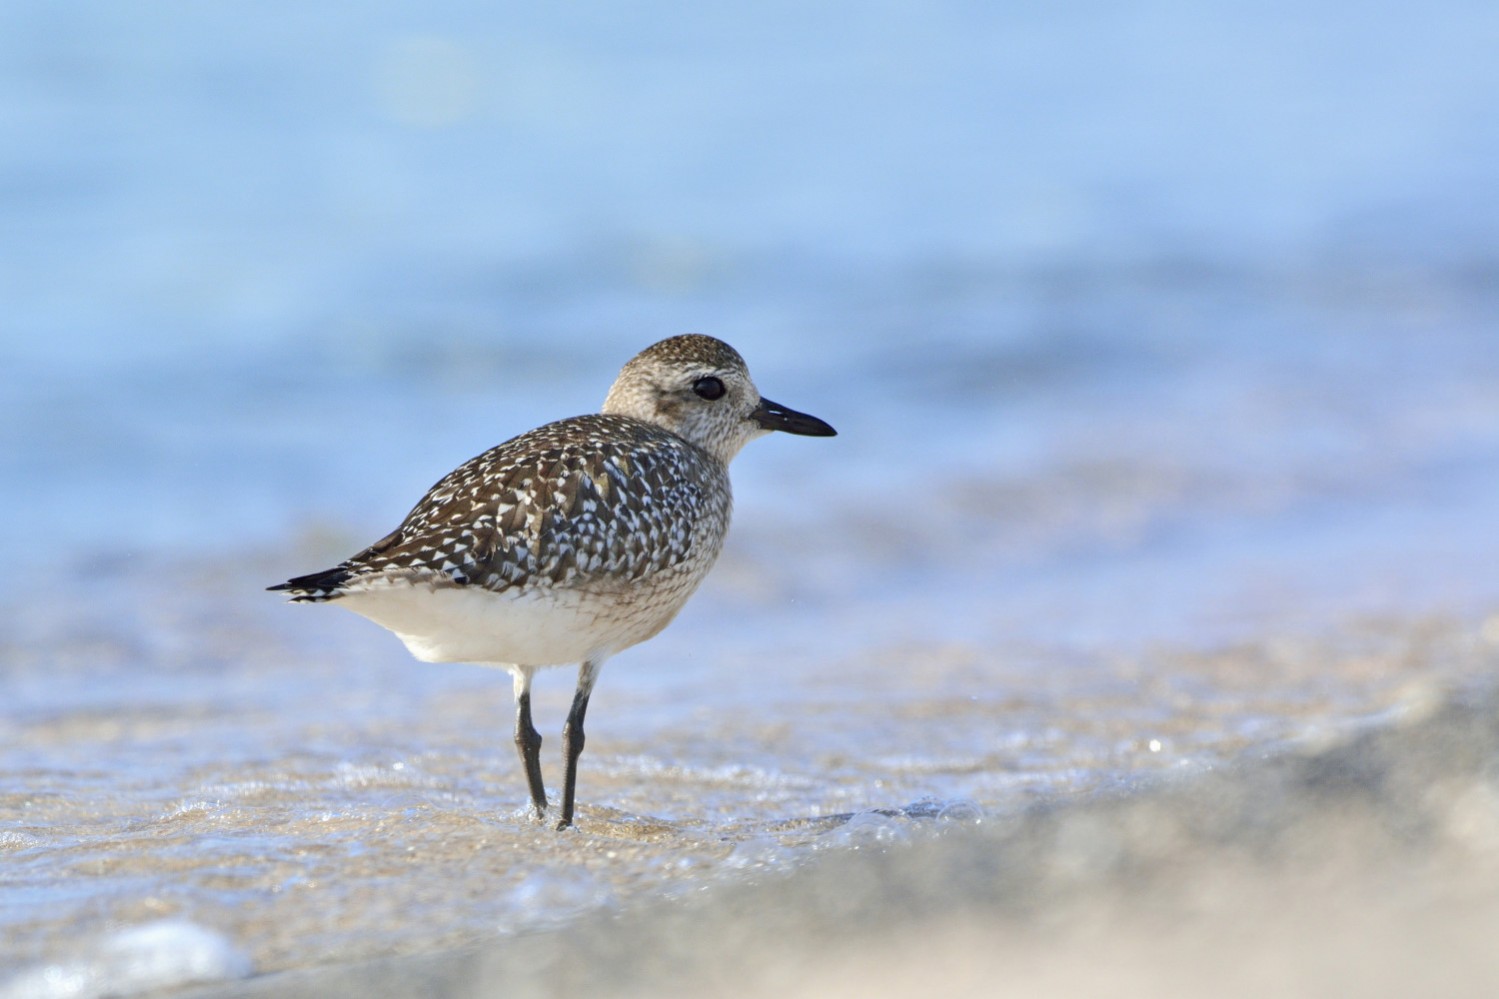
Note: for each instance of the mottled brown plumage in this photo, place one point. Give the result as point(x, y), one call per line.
point(574, 502)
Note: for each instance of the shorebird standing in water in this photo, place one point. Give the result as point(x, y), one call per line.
point(572, 542)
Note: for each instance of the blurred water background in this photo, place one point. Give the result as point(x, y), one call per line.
point(1163, 343)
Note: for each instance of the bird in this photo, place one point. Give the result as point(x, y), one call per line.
point(571, 542)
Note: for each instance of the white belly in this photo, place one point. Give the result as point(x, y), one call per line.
point(535, 627)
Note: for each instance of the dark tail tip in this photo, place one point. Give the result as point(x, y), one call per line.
point(314, 586)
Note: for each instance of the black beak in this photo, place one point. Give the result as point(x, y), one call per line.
point(774, 416)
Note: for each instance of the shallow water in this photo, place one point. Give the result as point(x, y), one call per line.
point(1140, 468)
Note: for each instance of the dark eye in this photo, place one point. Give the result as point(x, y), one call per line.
point(708, 388)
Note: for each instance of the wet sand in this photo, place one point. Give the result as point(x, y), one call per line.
point(1367, 868)
point(206, 777)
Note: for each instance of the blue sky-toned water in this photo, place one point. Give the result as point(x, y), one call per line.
point(237, 231)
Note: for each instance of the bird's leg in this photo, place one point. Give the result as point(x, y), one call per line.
point(572, 738)
point(528, 742)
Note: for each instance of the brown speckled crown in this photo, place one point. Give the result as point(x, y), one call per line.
point(692, 348)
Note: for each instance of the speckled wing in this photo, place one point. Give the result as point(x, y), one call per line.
point(586, 501)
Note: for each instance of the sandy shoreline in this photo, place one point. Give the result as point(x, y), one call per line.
point(1367, 868)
